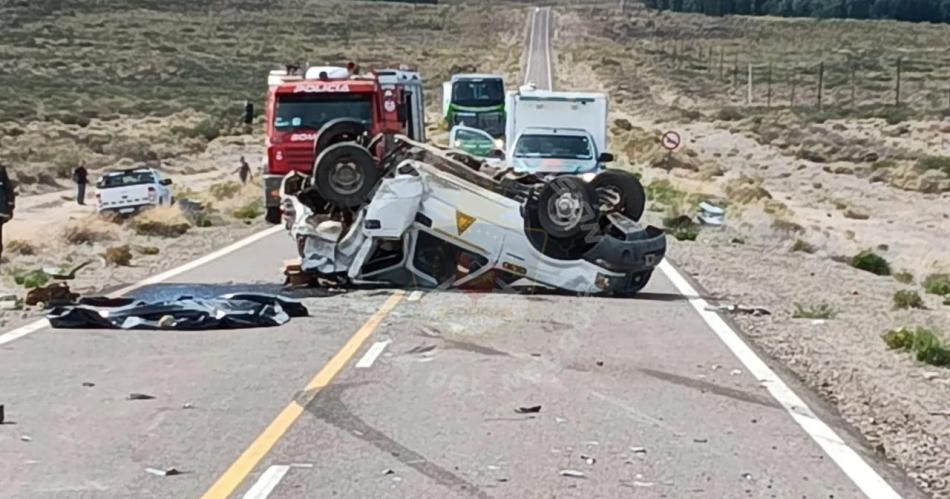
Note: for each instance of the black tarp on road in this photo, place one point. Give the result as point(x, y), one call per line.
point(229, 311)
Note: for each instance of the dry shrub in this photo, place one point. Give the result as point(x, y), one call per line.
point(88, 231)
point(118, 255)
point(162, 221)
point(20, 247)
point(224, 190)
point(746, 190)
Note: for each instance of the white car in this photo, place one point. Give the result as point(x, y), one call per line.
point(431, 221)
point(128, 191)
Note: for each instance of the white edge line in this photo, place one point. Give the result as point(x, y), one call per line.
point(35, 326)
point(863, 476)
point(267, 482)
point(372, 354)
point(527, 67)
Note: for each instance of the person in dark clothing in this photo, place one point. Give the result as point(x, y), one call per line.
point(7, 201)
point(243, 171)
point(81, 177)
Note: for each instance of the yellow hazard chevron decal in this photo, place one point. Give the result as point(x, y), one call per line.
point(463, 221)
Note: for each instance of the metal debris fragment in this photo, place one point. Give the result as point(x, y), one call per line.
point(26, 438)
point(388, 471)
point(638, 450)
point(589, 459)
point(528, 410)
point(164, 472)
point(139, 396)
point(573, 474)
point(88, 384)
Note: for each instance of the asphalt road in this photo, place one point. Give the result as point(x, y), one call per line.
point(538, 58)
point(391, 393)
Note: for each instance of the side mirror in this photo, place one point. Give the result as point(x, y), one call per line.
point(166, 181)
point(605, 157)
point(496, 153)
point(248, 113)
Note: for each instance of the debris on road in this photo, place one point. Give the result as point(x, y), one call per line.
point(26, 438)
point(388, 471)
point(740, 309)
point(88, 384)
point(573, 474)
point(10, 302)
point(638, 450)
point(589, 459)
point(421, 349)
point(229, 311)
point(67, 275)
point(164, 472)
point(528, 410)
point(710, 214)
point(637, 483)
point(747, 476)
point(701, 440)
point(1, 414)
point(139, 396)
point(187, 405)
point(735, 372)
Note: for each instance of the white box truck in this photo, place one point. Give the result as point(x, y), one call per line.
point(556, 132)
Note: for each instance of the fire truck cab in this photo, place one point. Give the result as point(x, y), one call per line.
point(302, 101)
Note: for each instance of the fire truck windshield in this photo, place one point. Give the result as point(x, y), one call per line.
point(310, 111)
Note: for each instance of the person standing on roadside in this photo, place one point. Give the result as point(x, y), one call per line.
point(7, 201)
point(80, 176)
point(243, 171)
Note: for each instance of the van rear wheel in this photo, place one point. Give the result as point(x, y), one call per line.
point(345, 174)
point(272, 215)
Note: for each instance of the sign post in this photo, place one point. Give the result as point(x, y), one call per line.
point(670, 141)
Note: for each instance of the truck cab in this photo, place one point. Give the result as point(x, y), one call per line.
point(303, 101)
point(476, 101)
point(553, 133)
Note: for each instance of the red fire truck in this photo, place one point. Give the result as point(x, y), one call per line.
point(302, 103)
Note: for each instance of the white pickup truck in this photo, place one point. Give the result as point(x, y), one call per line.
point(128, 191)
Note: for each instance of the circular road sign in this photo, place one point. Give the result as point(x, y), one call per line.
point(671, 140)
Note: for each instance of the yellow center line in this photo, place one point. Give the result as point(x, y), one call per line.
point(238, 471)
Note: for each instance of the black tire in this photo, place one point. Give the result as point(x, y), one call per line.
point(571, 247)
point(273, 215)
point(345, 174)
point(565, 205)
point(337, 131)
point(629, 188)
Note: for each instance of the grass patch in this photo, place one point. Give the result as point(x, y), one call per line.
point(681, 227)
point(820, 311)
point(163, 221)
point(22, 248)
point(249, 211)
point(118, 255)
point(940, 163)
point(224, 190)
point(904, 277)
point(803, 246)
point(871, 262)
point(907, 298)
point(937, 284)
point(86, 232)
point(924, 343)
point(147, 250)
point(662, 191)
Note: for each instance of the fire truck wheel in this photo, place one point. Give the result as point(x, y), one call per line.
point(345, 174)
point(565, 206)
point(621, 189)
point(273, 216)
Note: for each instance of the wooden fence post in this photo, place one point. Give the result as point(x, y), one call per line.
point(821, 81)
point(897, 88)
point(749, 86)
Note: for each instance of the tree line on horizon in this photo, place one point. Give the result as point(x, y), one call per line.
point(937, 11)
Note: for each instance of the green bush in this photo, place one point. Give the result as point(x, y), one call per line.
point(907, 298)
point(904, 277)
point(937, 284)
point(869, 261)
point(820, 311)
point(941, 163)
point(923, 342)
point(803, 246)
point(31, 279)
point(249, 211)
point(682, 228)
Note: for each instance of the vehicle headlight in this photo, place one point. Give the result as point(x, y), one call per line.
point(499, 144)
point(588, 177)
